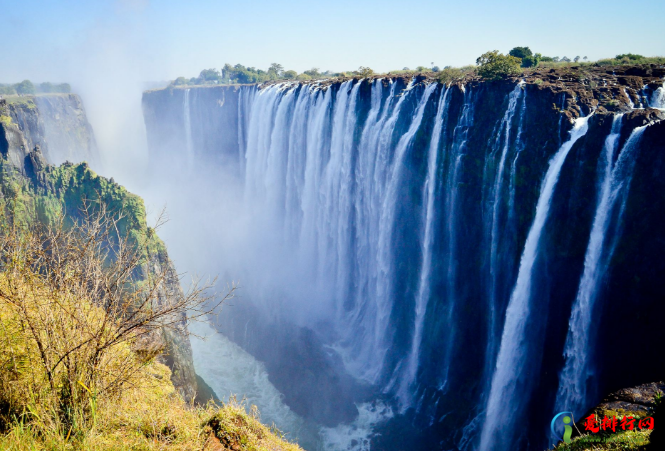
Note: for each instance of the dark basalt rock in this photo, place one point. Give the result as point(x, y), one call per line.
point(638, 402)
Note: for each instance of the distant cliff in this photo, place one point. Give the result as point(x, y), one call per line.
point(55, 122)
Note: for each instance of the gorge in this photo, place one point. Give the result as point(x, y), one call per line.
point(448, 265)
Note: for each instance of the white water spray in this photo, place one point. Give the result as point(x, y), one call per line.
point(574, 380)
point(506, 390)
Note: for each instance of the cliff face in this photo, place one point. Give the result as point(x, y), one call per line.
point(55, 122)
point(32, 189)
point(209, 133)
point(475, 248)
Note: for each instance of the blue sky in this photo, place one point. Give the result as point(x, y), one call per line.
point(108, 49)
point(163, 39)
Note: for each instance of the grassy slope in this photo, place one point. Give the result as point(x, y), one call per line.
point(152, 415)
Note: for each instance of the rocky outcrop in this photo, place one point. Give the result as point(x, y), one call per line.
point(639, 401)
point(46, 193)
point(55, 122)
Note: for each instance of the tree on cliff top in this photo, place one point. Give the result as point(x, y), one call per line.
point(365, 72)
point(494, 65)
point(25, 87)
point(526, 55)
point(520, 52)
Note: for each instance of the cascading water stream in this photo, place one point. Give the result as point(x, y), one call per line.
point(503, 401)
point(422, 298)
point(574, 381)
point(381, 215)
point(658, 98)
point(495, 230)
point(387, 221)
point(188, 129)
point(453, 173)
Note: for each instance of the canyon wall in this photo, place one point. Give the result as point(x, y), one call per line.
point(35, 133)
point(481, 255)
point(55, 122)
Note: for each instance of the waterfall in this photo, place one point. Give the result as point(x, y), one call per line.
point(188, 129)
point(453, 172)
point(658, 98)
point(495, 230)
point(335, 210)
point(508, 380)
point(422, 298)
point(574, 392)
point(397, 229)
point(630, 101)
point(387, 221)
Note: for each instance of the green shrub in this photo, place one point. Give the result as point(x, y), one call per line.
point(495, 66)
point(629, 56)
point(365, 72)
point(451, 74)
point(25, 87)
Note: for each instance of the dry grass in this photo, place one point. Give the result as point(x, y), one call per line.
point(153, 417)
point(79, 341)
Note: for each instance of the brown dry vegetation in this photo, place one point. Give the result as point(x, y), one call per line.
point(80, 332)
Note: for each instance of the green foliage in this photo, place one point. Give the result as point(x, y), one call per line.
point(275, 70)
point(62, 88)
point(546, 59)
point(180, 81)
point(365, 72)
point(290, 75)
point(25, 87)
point(629, 56)
point(243, 75)
point(451, 74)
point(7, 90)
point(531, 61)
point(65, 189)
point(6, 120)
point(495, 66)
point(521, 52)
point(209, 75)
point(314, 72)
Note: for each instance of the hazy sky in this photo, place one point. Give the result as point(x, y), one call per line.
point(107, 49)
point(162, 39)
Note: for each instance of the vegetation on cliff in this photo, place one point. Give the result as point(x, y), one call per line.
point(86, 298)
point(26, 87)
point(632, 408)
point(492, 65)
